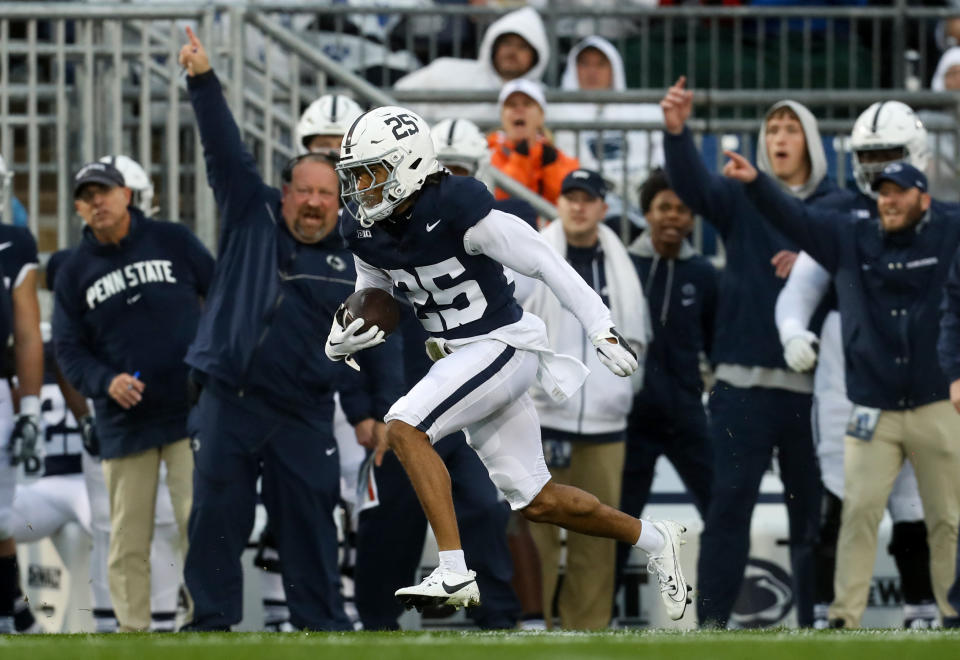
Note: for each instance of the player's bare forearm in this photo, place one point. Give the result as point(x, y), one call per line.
point(27, 340)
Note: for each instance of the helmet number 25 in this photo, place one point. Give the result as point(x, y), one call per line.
point(403, 125)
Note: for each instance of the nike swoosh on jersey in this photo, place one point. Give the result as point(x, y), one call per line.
point(431, 226)
point(330, 451)
point(454, 588)
point(133, 299)
point(4, 246)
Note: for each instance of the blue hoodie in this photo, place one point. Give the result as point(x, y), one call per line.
point(132, 307)
point(745, 331)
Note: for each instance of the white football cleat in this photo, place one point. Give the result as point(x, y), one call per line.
point(441, 588)
point(666, 566)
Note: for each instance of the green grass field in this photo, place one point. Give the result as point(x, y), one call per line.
point(652, 645)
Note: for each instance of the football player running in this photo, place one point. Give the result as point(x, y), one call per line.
point(438, 239)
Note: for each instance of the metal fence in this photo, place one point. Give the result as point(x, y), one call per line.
point(78, 81)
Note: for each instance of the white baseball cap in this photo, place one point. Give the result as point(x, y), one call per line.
point(524, 86)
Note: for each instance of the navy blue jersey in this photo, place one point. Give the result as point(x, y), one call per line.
point(455, 294)
point(18, 254)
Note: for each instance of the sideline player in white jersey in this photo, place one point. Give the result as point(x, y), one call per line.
point(437, 238)
point(20, 433)
point(884, 133)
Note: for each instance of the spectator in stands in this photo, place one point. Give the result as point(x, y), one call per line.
point(625, 158)
point(758, 403)
point(127, 304)
point(515, 46)
point(890, 277)
point(584, 437)
point(522, 148)
point(667, 417)
point(943, 167)
point(267, 400)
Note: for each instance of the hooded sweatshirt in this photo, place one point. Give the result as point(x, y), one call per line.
point(624, 158)
point(746, 345)
point(458, 73)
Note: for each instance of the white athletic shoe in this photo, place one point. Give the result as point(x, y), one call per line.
point(441, 588)
point(666, 566)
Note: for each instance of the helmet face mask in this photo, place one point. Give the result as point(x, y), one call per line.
point(391, 150)
point(886, 132)
point(6, 189)
point(374, 201)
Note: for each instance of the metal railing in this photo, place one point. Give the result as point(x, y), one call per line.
point(78, 81)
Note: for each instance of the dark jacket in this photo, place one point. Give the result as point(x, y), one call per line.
point(746, 333)
point(132, 307)
point(273, 298)
point(682, 297)
point(948, 344)
point(889, 288)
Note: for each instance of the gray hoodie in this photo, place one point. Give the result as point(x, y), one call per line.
point(818, 158)
point(459, 73)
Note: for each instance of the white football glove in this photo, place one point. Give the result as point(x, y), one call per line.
point(615, 353)
point(343, 342)
point(800, 351)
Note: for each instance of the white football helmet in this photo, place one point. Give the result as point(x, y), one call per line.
point(136, 179)
point(331, 114)
point(886, 132)
point(396, 139)
point(6, 190)
point(459, 143)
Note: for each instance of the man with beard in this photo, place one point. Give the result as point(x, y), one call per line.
point(266, 405)
point(889, 273)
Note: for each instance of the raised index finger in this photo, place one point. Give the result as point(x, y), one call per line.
point(192, 37)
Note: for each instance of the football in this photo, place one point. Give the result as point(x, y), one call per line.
point(375, 306)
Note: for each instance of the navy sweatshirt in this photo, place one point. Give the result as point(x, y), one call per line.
point(682, 297)
point(746, 333)
point(889, 289)
point(273, 298)
point(132, 307)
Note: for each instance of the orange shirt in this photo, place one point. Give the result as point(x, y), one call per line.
point(539, 166)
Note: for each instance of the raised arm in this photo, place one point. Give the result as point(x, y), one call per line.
point(231, 168)
point(705, 193)
point(808, 283)
point(510, 241)
point(816, 231)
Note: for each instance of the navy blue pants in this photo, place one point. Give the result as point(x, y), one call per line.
point(236, 442)
point(685, 440)
point(746, 426)
point(390, 540)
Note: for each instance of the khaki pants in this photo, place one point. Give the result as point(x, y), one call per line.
point(929, 436)
point(586, 599)
point(132, 487)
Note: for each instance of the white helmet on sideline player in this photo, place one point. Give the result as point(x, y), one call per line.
point(6, 189)
point(136, 179)
point(886, 132)
point(459, 143)
point(331, 114)
point(396, 139)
